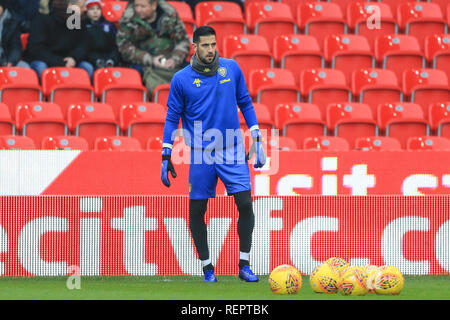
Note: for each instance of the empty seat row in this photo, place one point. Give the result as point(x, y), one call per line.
point(324, 143)
point(372, 86)
point(376, 143)
point(353, 120)
point(344, 52)
point(86, 119)
point(104, 143)
point(65, 86)
point(315, 18)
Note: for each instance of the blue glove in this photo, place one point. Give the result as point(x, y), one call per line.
point(257, 148)
point(167, 167)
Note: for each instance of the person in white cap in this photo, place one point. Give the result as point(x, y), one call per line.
point(103, 51)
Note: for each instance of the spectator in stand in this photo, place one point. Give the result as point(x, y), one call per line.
point(24, 11)
point(11, 46)
point(103, 50)
point(152, 39)
point(59, 39)
point(44, 6)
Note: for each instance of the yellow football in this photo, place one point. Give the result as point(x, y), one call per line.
point(338, 264)
point(388, 280)
point(285, 279)
point(371, 271)
point(324, 279)
point(353, 282)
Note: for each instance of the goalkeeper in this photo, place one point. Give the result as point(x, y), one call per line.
point(205, 94)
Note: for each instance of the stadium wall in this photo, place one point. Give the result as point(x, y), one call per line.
point(106, 213)
point(57, 172)
point(149, 235)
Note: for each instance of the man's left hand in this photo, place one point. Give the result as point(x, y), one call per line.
point(257, 149)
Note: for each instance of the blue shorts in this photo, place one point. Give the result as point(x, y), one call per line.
point(203, 174)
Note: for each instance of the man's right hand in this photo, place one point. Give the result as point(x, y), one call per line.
point(167, 167)
point(70, 62)
point(162, 62)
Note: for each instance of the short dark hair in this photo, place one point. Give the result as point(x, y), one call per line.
point(201, 32)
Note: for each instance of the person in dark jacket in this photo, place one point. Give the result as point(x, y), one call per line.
point(59, 39)
point(11, 46)
point(24, 11)
point(103, 51)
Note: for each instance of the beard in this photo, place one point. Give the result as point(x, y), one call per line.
point(204, 59)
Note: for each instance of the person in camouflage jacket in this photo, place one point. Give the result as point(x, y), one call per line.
point(153, 37)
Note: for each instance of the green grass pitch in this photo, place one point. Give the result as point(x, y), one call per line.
point(192, 288)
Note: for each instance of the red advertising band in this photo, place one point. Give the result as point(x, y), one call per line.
point(149, 235)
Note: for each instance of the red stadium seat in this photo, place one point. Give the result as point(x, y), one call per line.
point(439, 118)
point(91, 120)
point(66, 86)
point(143, 120)
point(361, 19)
point(374, 86)
point(10, 142)
point(263, 115)
point(351, 120)
point(39, 119)
point(113, 10)
point(248, 2)
point(293, 4)
point(272, 86)
point(270, 19)
point(421, 19)
point(281, 144)
point(18, 85)
point(344, 4)
point(402, 120)
point(320, 19)
point(7, 125)
point(225, 17)
point(377, 143)
point(426, 86)
point(64, 143)
point(117, 86)
point(155, 143)
point(442, 4)
point(437, 52)
point(185, 13)
point(326, 143)
point(399, 52)
point(299, 121)
point(249, 51)
point(117, 143)
point(448, 15)
point(297, 52)
point(161, 94)
point(393, 4)
point(348, 52)
point(428, 143)
point(323, 86)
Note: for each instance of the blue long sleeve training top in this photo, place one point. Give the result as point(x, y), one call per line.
point(207, 106)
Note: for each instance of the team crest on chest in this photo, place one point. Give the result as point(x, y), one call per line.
point(222, 71)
